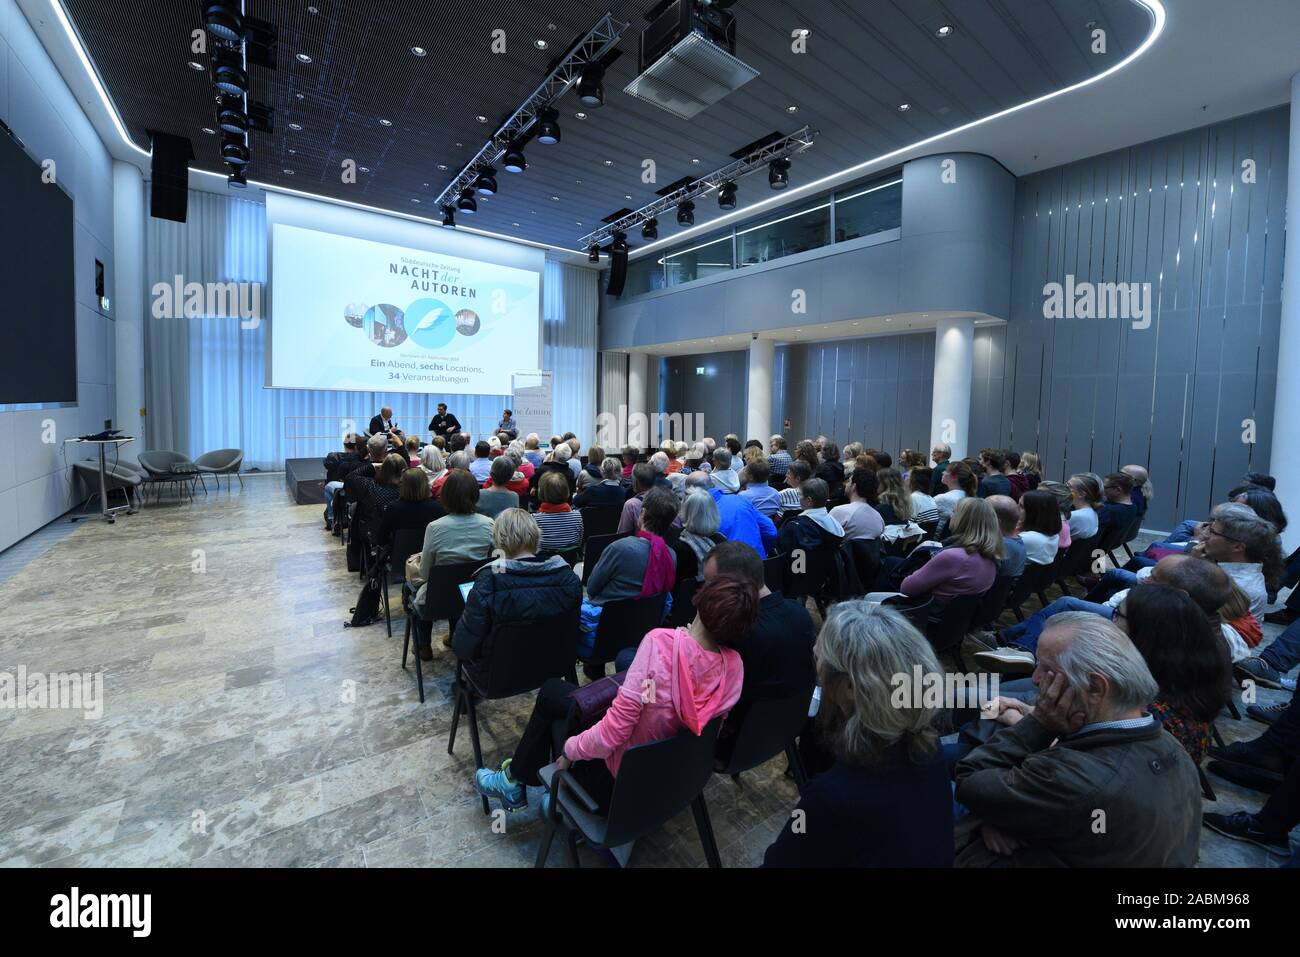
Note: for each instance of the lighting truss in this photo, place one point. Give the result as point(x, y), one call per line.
point(590, 48)
point(797, 142)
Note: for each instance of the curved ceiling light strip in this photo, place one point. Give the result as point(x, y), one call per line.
point(1154, 7)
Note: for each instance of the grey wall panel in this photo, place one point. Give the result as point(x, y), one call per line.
point(1098, 393)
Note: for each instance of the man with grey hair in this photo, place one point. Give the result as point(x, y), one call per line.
point(940, 453)
point(1086, 777)
point(608, 491)
point(532, 450)
point(723, 476)
point(778, 458)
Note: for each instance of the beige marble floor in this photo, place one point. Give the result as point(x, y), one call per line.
point(243, 725)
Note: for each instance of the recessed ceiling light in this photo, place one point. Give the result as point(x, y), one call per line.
point(196, 65)
point(414, 200)
point(295, 126)
point(792, 109)
point(946, 30)
point(555, 199)
point(303, 58)
point(540, 44)
point(384, 122)
point(419, 51)
point(481, 118)
point(580, 115)
point(209, 130)
point(287, 172)
point(695, 162)
point(364, 169)
point(442, 166)
point(299, 96)
point(609, 162)
point(904, 107)
point(803, 31)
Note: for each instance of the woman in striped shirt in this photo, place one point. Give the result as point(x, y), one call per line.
point(560, 523)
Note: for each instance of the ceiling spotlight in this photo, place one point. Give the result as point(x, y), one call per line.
point(548, 127)
point(196, 65)
point(442, 166)
point(231, 115)
point(237, 178)
point(904, 107)
point(540, 44)
point(792, 109)
point(287, 172)
point(946, 30)
point(481, 118)
point(650, 229)
point(224, 19)
point(234, 149)
point(727, 195)
point(384, 122)
point(514, 161)
point(778, 173)
point(364, 169)
point(593, 253)
point(296, 127)
point(448, 216)
point(486, 184)
point(419, 51)
point(209, 130)
point(303, 58)
point(591, 87)
point(580, 115)
point(467, 203)
point(686, 214)
point(230, 78)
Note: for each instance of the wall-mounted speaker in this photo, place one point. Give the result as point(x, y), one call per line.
point(169, 176)
point(617, 269)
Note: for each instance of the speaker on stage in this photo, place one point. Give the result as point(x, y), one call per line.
point(617, 265)
point(169, 176)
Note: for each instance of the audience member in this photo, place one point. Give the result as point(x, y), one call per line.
point(893, 501)
point(700, 533)
point(414, 508)
point(496, 496)
point(643, 480)
point(757, 490)
point(919, 482)
point(1014, 550)
point(1040, 529)
point(995, 481)
point(791, 496)
point(960, 483)
point(560, 523)
point(608, 491)
point(859, 517)
point(940, 455)
point(778, 457)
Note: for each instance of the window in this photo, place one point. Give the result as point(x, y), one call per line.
point(644, 275)
point(869, 208)
point(709, 258)
point(784, 235)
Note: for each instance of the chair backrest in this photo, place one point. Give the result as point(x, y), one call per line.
point(995, 599)
point(949, 623)
point(624, 623)
point(767, 728)
point(774, 572)
point(683, 610)
point(866, 557)
point(918, 613)
point(160, 462)
point(442, 598)
point(600, 519)
point(221, 459)
point(1077, 557)
point(406, 542)
point(571, 556)
point(1033, 579)
point(1113, 537)
point(524, 654)
point(593, 549)
point(656, 781)
point(804, 578)
point(1134, 529)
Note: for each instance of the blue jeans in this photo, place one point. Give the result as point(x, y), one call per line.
point(1283, 653)
point(330, 489)
point(1185, 532)
point(1117, 579)
point(1025, 635)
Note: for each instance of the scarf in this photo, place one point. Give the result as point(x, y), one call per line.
point(1248, 627)
point(660, 571)
point(701, 546)
point(555, 507)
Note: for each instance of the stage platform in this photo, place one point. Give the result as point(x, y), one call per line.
point(306, 480)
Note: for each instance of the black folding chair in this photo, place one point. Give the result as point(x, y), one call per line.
point(995, 600)
point(623, 624)
point(1035, 580)
point(766, 728)
point(592, 550)
point(683, 611)
point(524, 655)
point(1110, 540)
point(1131, 533)
point(655, 782)
point(774, 572)
point(406, 542)
point(918, 613)
point(1077, 558)
point(952, 619)
point(442, 601)
point(866, 558)
point(600, 519)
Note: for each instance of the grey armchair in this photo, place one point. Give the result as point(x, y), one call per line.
point(225, 462)
point(169, 468)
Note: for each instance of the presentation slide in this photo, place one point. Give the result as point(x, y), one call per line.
point(358, 315)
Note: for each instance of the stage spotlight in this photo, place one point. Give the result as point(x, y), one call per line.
point(486, 184)
point(467, 203)
point(727, 195)
point(686, 214)
point(650, 229)
point(593, 253)
point(231, 115)
point(229, 74)
point(591, 87)
point(514, 161)
point(778, 173)
point(234, 149)
point(448, 217)
point(225, 19)
point(548, 127)
point(237, 178)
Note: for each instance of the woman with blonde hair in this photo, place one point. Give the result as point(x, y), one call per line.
point(893, 501)
point(967, 565)
point(1084, 519)
point(886, 801)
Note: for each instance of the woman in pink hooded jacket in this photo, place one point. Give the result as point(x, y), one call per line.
point(680, 680)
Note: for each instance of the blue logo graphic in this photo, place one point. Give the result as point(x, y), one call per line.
point(430, 323)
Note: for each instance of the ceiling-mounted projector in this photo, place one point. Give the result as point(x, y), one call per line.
point(687, 57)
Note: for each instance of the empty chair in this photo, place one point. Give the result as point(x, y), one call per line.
point(406, 542)
point(225, 462)
point(116, 478)
point(622, 624)
point(1131, 533)
point(1077, 560)
point(866, 559)
point(169, 468)
point(600, 519)
point(1035, 580)
point(442, 601)
point(995, 600)
point(655, 782)
point(946, 626)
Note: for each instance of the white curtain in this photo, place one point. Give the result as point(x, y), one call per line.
point(205, 376)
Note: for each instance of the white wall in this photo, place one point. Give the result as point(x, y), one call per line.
point(35, 485)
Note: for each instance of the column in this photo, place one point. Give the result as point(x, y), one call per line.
point(653, 406)
point(954, 357)
point(758, 412)
point(129, 307)
point(1284, 457)
point(638, 368)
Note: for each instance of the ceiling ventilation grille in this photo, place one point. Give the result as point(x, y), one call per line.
point(690, 77)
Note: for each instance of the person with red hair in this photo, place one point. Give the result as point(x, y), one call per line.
point(680, 680)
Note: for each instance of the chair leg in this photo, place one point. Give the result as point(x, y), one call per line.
point(1207, 791)
point(241, 479)
point(388, 611)
point(205, 483)
point(705, 827)
point(1218, 738)
point(458, 705)
point(1232, 709)
point(472, 708)
point(419, 669)
point(796, 767)
point(573, 848)
point(406, 641)
point(544, 850)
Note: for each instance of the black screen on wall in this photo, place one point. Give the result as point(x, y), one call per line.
point(38, 313)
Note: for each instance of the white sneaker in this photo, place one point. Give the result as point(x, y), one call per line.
point(1008, 660)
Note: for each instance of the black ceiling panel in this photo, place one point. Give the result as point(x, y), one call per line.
point(864, 58)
